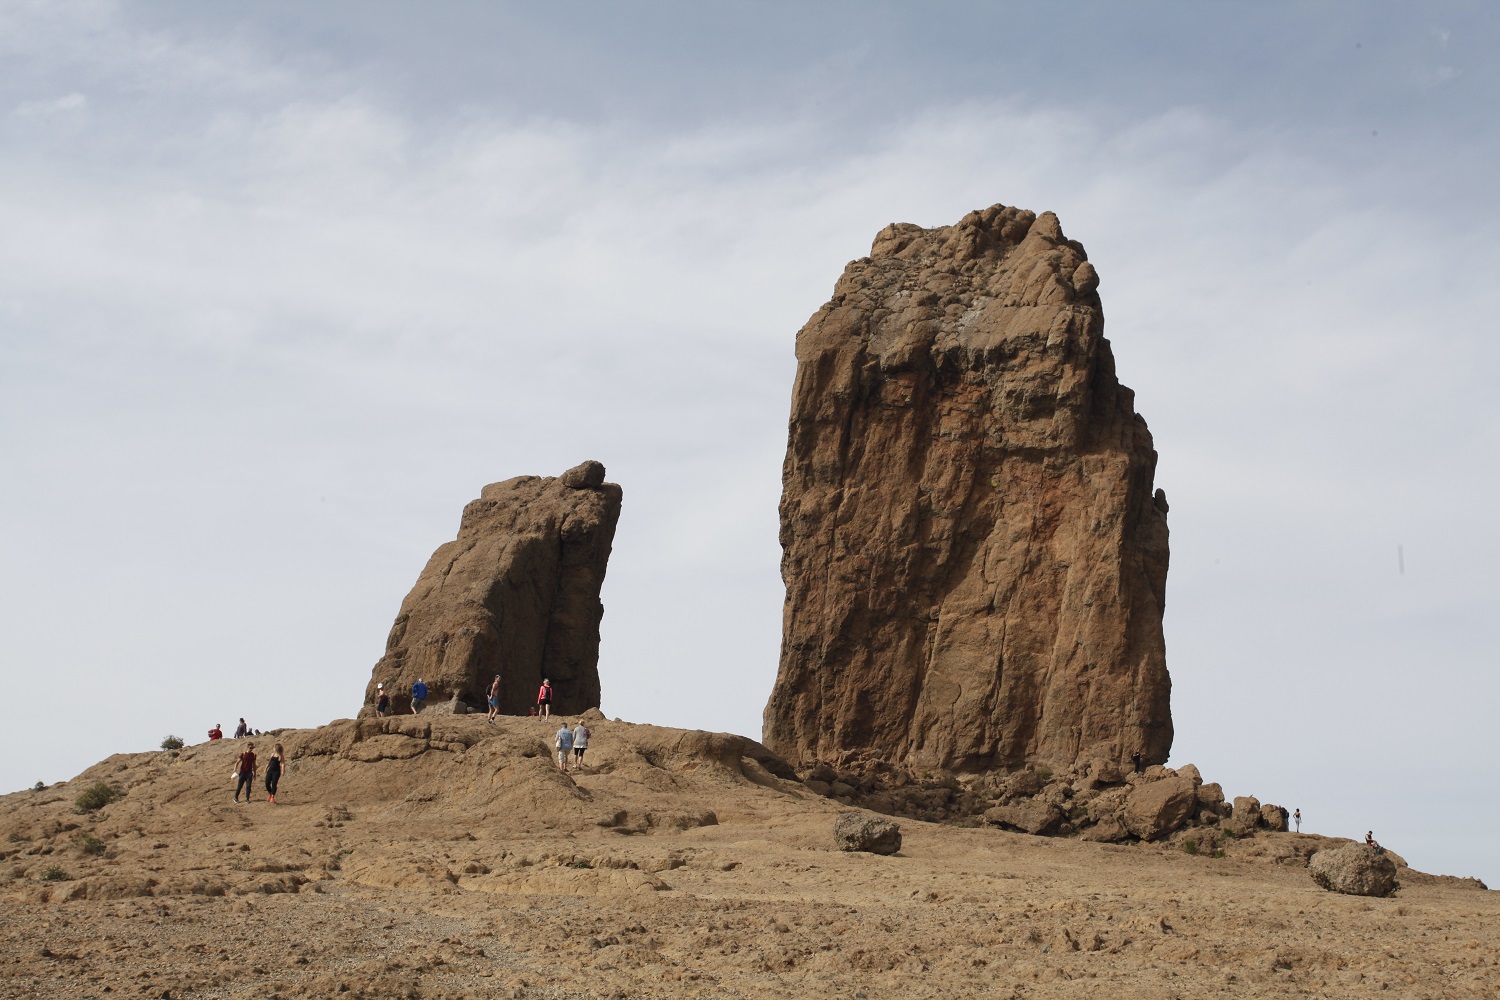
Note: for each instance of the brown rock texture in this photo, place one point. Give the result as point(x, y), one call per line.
point(974, 559)
point(1355, 870)
point(516, 593)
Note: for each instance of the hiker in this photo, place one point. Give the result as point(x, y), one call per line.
point(564, 743)
point(382, 702)
point(245, 773)
point(544, 699)
point(1370, 840)
point(1297, 819)
point(273, 772)
point(418, 696)
point(581, 734)
point(242, 730)
point(215, 733)
point(494, 698)
point(1138, 761)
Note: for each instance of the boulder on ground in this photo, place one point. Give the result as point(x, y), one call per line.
point(1274, 817)
point(1355, 870)
point(1245, 817)
point(1157, 808)
point(1036, 815)
point(858, 831)
point(1210, 794)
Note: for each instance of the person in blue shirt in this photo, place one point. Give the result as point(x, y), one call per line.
point(418, 696)
point(564, 743)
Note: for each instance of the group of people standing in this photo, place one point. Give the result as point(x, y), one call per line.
point(383, 698)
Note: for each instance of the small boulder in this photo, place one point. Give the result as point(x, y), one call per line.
point(1210, 794)
point(857, 831)
point(1158, 807)
point(588, 475)
point(1190, 771)
point(1274, 817)
point(1245, 817)
point(1355, 870)
point(1031, 815)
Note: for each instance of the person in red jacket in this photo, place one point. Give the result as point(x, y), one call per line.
point(544, 699)
point(215, 733)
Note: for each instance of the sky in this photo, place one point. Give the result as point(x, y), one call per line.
point(283, 285)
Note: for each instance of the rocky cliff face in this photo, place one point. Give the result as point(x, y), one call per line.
point(975, 563)
point(517, 593)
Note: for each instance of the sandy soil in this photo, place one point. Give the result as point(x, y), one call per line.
point(443, 857)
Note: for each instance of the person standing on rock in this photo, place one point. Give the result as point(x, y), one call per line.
point(418, 696)
point(382, 702)
point(564, 743)
point(581, 734)
point(1138, 761)
point(245, 779)
point(215, 733)
point(273, 772)
point(1297, 819)
point(494, 698)
point(242, 730)
point(544, 699)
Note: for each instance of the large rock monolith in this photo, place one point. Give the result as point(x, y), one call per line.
point(517, 593)
point(974, 558)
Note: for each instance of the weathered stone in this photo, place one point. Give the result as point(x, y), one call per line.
point(1355, 870)
point(1108, 831)
point(1191, 771)
point(1210, 794)
point(515, 594)
point(1245, 817)
point(974, 560)
point(588, 475)
point(1156, 808)
point(1273, 817)
point(1030, 815)
point(858, 831)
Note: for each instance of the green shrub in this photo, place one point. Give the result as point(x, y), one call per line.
point(1190, 846)
point(88, 844)
point(96, 797)
point(172, 743)
point(38, 786)
point(52, 873)
point(1219, 853)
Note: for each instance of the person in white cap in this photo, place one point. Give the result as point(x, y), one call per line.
point(382, 701)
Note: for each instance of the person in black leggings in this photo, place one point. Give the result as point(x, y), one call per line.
point(273, 772)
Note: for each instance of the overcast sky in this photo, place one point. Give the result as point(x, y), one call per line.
point(283, 285)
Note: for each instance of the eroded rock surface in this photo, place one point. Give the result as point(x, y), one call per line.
point(516, 593)
point(1355, 870)
point(974, 558)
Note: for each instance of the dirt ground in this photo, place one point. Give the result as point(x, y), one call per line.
point(444, 857)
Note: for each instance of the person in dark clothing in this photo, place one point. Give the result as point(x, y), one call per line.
point(1140, 765)
point(382, 701)
point(273, 773)
point(241, 731)
point(246, 773)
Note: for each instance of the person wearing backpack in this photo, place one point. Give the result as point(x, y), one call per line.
point(245, 773)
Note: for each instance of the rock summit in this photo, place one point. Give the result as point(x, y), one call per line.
point(515, 594)
point(974, 553)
